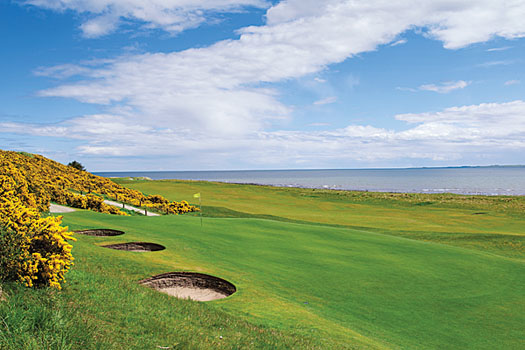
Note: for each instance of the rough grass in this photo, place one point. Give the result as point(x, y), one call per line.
point(101, 308)
point(43, 319)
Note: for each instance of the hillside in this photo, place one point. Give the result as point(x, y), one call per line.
point(40, 180)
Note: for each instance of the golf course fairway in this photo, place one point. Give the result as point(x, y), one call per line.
point(312, 269)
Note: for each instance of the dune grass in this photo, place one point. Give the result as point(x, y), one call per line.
point(371, 273)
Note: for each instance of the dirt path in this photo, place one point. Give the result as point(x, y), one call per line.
point(55, 208)
point(129, 207)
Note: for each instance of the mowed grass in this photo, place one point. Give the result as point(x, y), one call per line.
point(337, 285)
point(371, 273)
point(486, 223)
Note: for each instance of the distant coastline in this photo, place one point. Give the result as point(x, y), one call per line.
point(316, 169)
point(471, 180)
point(472, 166)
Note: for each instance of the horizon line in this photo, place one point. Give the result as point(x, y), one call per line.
point(316, 169)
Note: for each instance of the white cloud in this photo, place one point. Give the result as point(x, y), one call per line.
point(100, 26)
point(212, 98)
point(445, 87)
point(496, 63)
point(172, 16)
point(399, 42)
point(444, 19)
point(62, 71)
point(216, 87)
point(327, 100)
point(512, 82)
point(491, 119)
point(451, 134)
point(442, 88)
point(503, 48)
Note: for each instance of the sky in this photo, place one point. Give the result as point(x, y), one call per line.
point(128, 85)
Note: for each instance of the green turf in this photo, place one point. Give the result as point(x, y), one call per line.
point(495, 224)
point(313, 270)
point(336, 283)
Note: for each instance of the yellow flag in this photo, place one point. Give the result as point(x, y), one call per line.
point(197, 195)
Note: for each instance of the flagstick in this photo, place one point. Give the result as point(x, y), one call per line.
point(200, 209)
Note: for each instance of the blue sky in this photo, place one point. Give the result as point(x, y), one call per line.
point(254, 84)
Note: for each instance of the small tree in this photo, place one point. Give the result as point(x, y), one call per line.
point(76, 165)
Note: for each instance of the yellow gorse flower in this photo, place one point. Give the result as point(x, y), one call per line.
point(28, 183)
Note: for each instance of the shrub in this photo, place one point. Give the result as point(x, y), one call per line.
point(41, 180)
point(76, 165)
point(36, 250)
point(39, 253)
point(10, 252)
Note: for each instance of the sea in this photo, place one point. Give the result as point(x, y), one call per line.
point(497, 180)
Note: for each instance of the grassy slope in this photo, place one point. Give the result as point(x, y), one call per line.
point(102, 307)
point(333, 286)
point(495, 224)
point(362, 286)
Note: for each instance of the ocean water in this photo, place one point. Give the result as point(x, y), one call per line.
point(482, 180)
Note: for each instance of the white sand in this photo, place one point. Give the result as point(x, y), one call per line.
point(55, 208)
point(193, 293)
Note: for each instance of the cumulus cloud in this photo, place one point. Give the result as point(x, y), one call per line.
point(100, 26)
point(445, 87)
point(445, 20)
point(449, 134)
point(173, 16)
point(216, 87)
point(224, 92)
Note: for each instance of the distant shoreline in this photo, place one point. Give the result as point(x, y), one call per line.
point(339, 189)
point(492, 181)
point(314, 169)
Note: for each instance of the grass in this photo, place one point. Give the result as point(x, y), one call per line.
point(487, 223)
point(314, 270)
point(42, 319)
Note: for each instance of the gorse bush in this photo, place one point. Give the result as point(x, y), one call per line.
point(10, 251)
point(43, 180)
point(36, 250)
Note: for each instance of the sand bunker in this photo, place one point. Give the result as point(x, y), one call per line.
point(136, 246)
point(101, 232)
point(191, 285)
